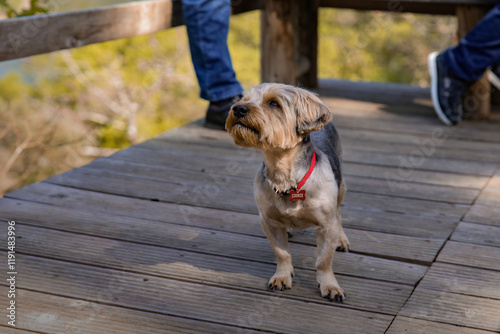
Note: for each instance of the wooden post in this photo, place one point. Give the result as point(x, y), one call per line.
point(289, 42)
point(477, 100)
point(305, 15)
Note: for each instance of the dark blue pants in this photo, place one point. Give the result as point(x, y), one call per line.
point(207, 23)
point(478, 50)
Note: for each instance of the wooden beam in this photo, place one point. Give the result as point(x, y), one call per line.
point(476, 101)
point(277, 42)
point(440, 7)
point(27, 36)
point(289, 41)
point(31, 35)
point(305, 26)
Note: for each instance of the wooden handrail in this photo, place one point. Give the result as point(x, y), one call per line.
point(437, 7)
point(32, 35)
point(28, 36)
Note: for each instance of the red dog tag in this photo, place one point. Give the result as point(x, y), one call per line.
point(297, 195)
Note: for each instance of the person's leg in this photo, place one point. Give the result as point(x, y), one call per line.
point(456, 68)
point(207, 23)
point(478, 50)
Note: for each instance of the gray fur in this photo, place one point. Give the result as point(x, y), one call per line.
point(328, 141)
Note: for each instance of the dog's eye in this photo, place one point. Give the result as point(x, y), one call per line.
point(274, 104)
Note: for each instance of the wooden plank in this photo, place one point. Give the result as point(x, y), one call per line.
point(28, 36)
point(54, 314)
point(246, 160)
point(402, 119)
point(419, 208)
point(361, 184)
point(489, 196)
point(92, 249)
point(418, 161)
point(411, 6)
point(12, 330)
point(205, 195)
point(187, 160)
point(410, 249)
point(253, 158)
point(417, 326)
point(456, 309)
point(420, 176)
point(418, 140)
point(234, 201)
point(43, 192)
point(191, 177)
point(418, 250)
point(484, 214)
point(403, 189)
point(246, 167)
point(392, 184)
point(426, 148)
point(463, 280)
point(471, 255)
point(119, 288)
point(396, 223)
point(214, 196)
point(82, 200)
point(403, 154)
point(477, 234)
point(495, 180)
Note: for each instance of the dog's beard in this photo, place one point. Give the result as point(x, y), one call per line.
point(243, 132)
point(245, 136)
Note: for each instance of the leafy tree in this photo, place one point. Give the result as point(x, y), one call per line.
point(87, 102)
point(35, 7)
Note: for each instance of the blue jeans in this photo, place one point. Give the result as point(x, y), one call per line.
point(207, 23)
point(478, 50)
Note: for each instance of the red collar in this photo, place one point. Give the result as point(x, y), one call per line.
point(294, 191)
point(309, 172)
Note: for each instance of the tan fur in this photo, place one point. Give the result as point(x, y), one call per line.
point(276, 121)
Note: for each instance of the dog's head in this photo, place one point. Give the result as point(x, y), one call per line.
point(276, 116)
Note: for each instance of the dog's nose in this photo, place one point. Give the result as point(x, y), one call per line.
point(240, 110)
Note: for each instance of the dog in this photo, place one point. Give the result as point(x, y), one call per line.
point(299, 184)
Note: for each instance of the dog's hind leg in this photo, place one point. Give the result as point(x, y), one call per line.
point(278, 238)
point(327, 237)
point(343, 245)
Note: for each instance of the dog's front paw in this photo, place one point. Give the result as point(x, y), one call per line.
point(281, 280)
point(331, 289)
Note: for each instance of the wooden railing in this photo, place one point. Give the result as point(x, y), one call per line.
point(289, 30)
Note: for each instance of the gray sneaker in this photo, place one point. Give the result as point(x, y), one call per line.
point(494, 76)
point(446, 91)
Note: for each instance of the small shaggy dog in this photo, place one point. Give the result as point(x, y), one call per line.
point(299, 185)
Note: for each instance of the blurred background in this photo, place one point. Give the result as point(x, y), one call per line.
point(61, 110)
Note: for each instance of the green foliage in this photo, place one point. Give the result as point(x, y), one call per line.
point(12, 87)
point(12, 9)
point(244, 45)
point(377, 46)
point(112, 94)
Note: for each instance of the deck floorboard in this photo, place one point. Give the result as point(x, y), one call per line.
point(164, 236)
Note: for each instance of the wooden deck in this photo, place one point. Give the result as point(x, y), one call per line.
point(164, 237)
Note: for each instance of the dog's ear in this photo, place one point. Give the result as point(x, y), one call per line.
point(312, 114)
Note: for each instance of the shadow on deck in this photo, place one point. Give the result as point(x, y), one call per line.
point(164, 237)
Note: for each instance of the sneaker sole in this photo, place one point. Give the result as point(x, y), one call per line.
point(494, 80)
point(431, 59)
